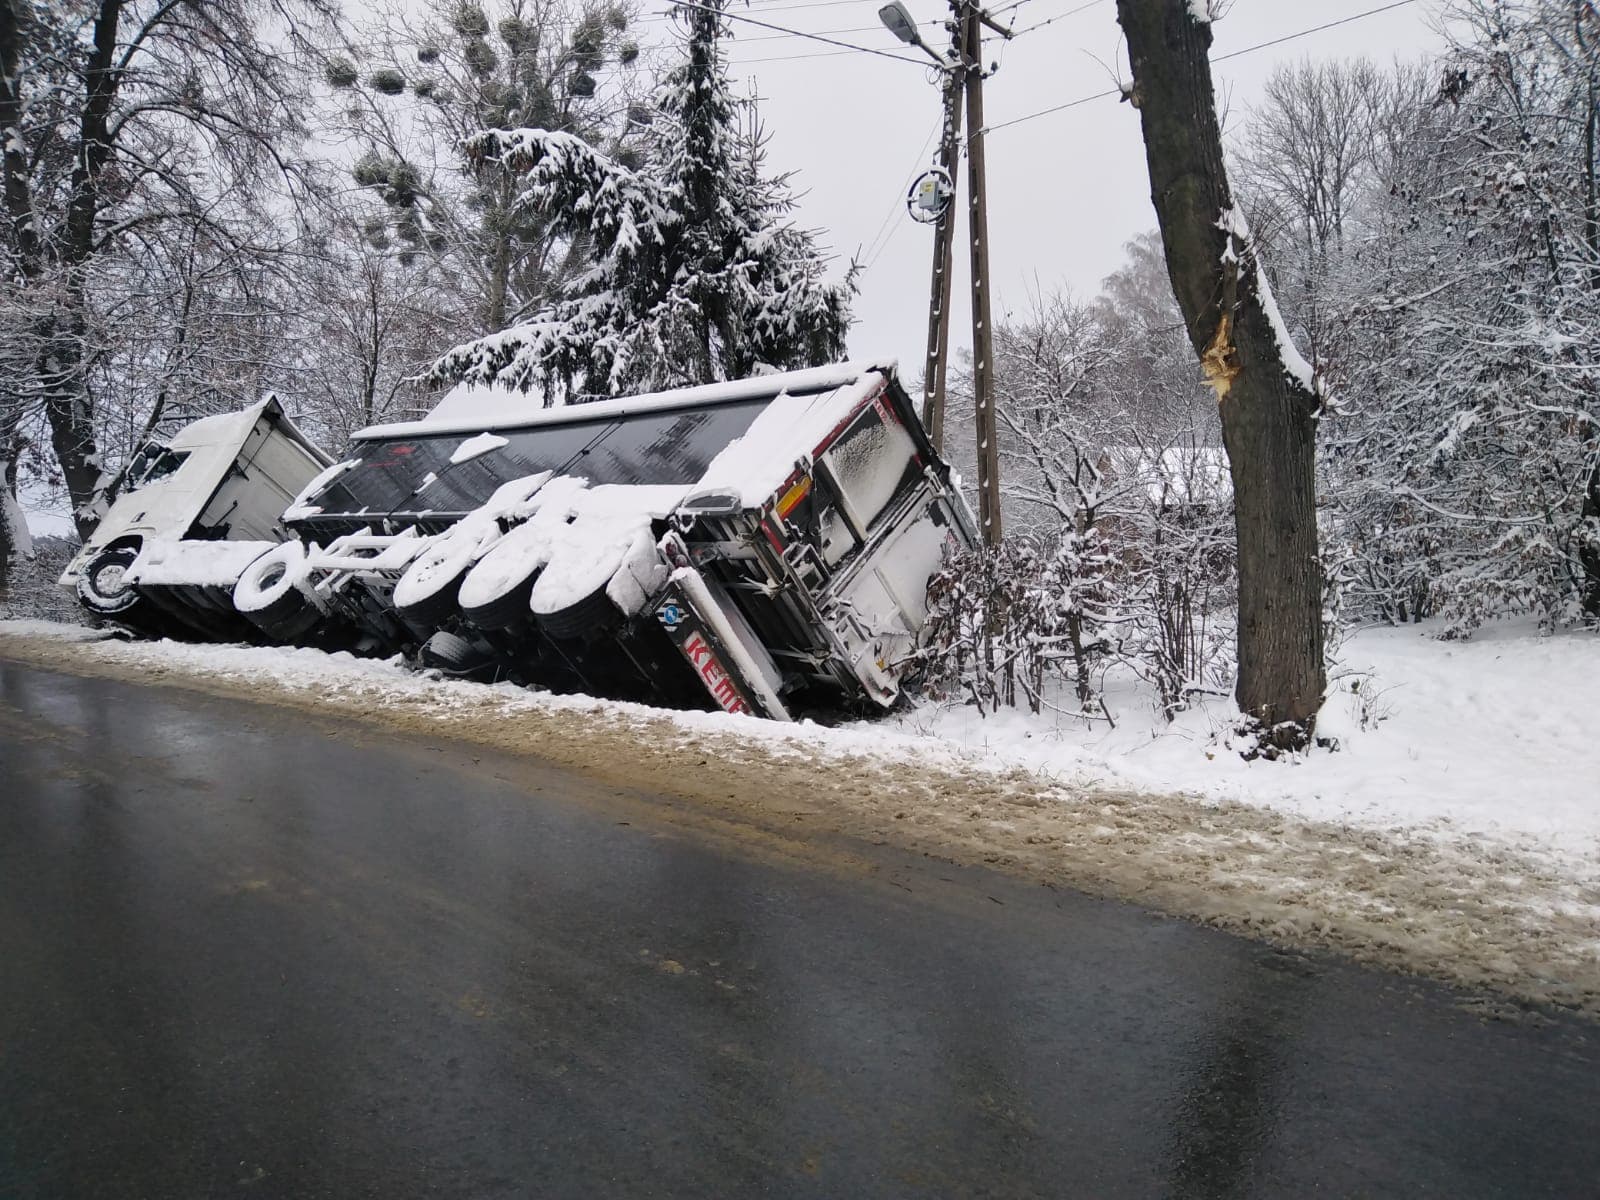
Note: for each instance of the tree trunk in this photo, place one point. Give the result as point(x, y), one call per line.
point(12, 539)
point(63, 365)
point(65, 388)
point(1589, 548)
point(1269, 412)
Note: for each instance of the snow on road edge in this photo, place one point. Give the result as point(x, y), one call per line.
point(1515, 913)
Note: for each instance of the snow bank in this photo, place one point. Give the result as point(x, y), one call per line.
point(1491, 737)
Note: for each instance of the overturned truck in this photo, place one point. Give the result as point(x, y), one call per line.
point(764, 545)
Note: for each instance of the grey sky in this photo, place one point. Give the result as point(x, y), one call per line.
point(1066, 190)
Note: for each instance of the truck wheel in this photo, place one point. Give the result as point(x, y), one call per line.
point(426, 593)
point(589, 617)
point(506, 607)
point(103, 585)
point(455, 655)
point(268, 593)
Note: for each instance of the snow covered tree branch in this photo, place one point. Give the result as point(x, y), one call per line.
point(696, 273)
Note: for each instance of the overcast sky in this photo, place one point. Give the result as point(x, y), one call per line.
point(1066, 190)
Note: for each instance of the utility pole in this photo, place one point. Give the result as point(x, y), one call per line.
point(963, 69)
point(978, 230)
point(944, 237)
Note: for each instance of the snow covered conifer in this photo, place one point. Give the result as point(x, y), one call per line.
point(698, 273)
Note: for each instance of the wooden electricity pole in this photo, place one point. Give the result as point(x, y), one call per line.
point(944, 237)
point(963, 72)
point(982, 329)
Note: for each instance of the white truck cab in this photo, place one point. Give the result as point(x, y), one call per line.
point(225, 478)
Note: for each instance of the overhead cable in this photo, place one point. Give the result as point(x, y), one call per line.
point(1071, 12)
point(815, 37)
point(1290, 37)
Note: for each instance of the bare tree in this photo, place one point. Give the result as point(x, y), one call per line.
point(1157, 384)
point(443, 71)
point(1306, 146)
point(1267, 395)
point(372, 324)
point(123, 120)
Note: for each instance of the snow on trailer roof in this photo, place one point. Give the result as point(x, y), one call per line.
point(755, 465)
point(742, 437)
point(472, 408)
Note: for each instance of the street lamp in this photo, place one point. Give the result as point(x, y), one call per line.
point(898, 21)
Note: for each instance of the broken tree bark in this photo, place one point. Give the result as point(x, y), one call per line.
point(1268, 406)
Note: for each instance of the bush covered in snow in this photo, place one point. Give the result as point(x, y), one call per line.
point(32, 592)
point(1118, 502)
point(1431, 230)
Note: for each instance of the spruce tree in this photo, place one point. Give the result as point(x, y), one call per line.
point(698, 273)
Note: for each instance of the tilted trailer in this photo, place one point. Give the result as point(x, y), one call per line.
point(764, 545)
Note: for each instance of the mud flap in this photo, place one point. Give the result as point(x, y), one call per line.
point(702, 635)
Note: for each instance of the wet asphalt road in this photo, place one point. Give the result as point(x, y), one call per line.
point(246, 953)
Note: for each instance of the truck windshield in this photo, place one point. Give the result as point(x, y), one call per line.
point(153, 461)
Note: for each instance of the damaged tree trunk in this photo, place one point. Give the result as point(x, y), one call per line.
point(1266, 395)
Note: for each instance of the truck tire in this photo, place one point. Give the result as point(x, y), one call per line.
point(426, 593)
point(268, 594)
point(455, 655)
point(103, 587)
point(592, 616)
point(505, 608)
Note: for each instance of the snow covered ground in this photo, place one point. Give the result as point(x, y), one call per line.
point(1493, 737)
point(1455, 832)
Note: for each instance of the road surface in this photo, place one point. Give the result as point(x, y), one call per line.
point(248, 953)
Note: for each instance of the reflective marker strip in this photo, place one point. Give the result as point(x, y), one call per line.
point(794, 495)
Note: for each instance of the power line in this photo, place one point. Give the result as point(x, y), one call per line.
point(815, 37)
point(1071, 12)
point(769, 6)
point(874, 250)
point(662, 16)
point(1045, 112)
point(1371, 12)
point(750, 62)
point(773, 37)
